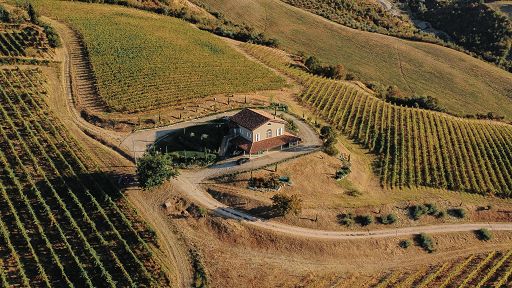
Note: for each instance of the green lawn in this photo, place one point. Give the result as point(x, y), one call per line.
point(146, 61)
point(463, 84)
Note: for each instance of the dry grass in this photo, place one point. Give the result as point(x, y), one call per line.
point(324, 198)
point(462, 84)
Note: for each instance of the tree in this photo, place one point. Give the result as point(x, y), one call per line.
point(154, 168)
point(330, 138)
point(4, 15)
point(284, 204)
point(32, 14)
point(312, 63)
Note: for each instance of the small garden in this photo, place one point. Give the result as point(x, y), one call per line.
point(196, 145)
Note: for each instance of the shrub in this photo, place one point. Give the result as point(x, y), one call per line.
point(364, 220)
point(483, 234)
point(405, 243)
point(5, 16)
point(346, 219)
point(426, 242)
point(388, 219)
point(416, 211)
point(457, 213)
point(284, 204)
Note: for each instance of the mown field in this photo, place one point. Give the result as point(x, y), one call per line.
point(462, 83)
point(63, 223)
point(144, 61)
point(493, 269)
point(416, 147)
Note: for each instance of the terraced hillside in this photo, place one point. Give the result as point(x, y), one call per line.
point(493, 269)
point(62, 222)
point(145, 61)
point(416, 147)
point(462, 83)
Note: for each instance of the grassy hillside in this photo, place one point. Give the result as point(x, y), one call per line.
point(146, 61)
point(504, 7)
point(416, 147)
point(461, 83)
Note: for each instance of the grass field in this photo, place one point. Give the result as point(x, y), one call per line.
point(62, 222)
point(144, 61)
point(416, 147)
point(462, 84)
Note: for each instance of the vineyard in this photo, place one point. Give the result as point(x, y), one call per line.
point(493, 269)
point(161, 63)
point(62, 222)
point(23, 41)
point(416, 147)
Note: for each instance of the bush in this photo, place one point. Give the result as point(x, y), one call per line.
point(483, 234)
point(284, 204)
point(426, 242)
point(346, 219)
point(416, 211)
point(388, 219)
point(405, 243)
point(457, 213)
point(364, 220)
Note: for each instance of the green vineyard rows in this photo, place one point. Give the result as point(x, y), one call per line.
point(478, 270)
point(416, 147)
point(162, 62)
point(61, 221)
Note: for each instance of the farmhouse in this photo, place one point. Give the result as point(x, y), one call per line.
point(257, 131)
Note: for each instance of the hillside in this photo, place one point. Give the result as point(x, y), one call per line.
point(160, 63)
point(463, 84)
point(416, 147)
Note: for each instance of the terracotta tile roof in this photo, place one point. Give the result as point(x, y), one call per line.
point(267, 144)
point(252, 118)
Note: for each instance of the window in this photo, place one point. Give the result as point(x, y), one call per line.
point(279, 131)
point(257, 137)
point(269, 133)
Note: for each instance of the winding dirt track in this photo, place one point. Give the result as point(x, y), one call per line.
point(189, 182)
